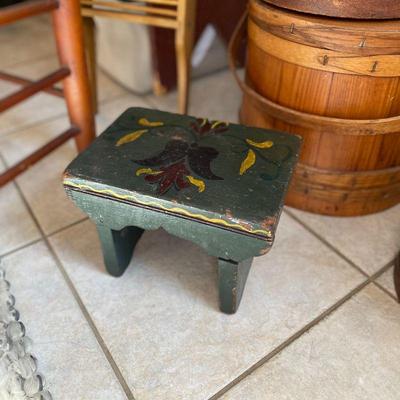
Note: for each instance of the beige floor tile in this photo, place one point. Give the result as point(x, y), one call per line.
point(107, 88)
point(41, 184)
point(22, 45)
point(386, 280)
point(44, 106)
point(110, 111)
point(26, 40)
point(68, 354)
point(353, 354)
point(161, 320)
point(369, 241)
point(34, 110)
point(216, 97)
point(42, 187)
point(16, 225)
point(18, 145)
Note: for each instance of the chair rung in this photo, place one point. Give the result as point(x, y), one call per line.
point(162, 22)
point(160, 2)
point(33, 88)
point(22, 81)
point(27, 162)
point(130, 7)
point(26, 9)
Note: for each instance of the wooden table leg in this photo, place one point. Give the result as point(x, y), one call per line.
point(396, 276)
point(118, 247)
point(232, 278)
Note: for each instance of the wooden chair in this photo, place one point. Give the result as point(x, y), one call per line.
point(396, 275)
point(174, 14)
point(68, 32)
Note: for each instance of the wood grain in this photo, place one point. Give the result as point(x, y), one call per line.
point(349, 119)
point(170, 14)
point(68, 32)
point(385, 65)
point(363, 9)
point(360, 37)
point(26, 9)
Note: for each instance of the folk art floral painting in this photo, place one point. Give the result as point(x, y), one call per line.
point(185, 163)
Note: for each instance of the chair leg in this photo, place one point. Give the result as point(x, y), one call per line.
point(68, 32)
point(183, 46)
point(396, 276)
point(89, 30)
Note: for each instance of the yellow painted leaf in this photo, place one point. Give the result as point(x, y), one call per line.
point(196, 182)
point(147, 171)
point(262, 145)
point(216, 123)
point(247, 162)
point(130, 137)
point(146, 122)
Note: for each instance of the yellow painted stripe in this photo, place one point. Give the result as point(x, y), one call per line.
point(173, 209)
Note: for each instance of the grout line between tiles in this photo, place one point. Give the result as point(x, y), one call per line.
point(390, 294)
point(31, 60)
point(13, 131)
point(32, 242)
point(67, 227)
point(339, 253)
point(300, 332)
point(91, 323)
point(77, 298)
point(326, 243)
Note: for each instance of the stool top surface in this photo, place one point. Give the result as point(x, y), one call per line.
point(214, 172)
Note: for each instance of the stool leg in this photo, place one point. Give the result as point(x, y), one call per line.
point(183, 47)
point(232, 278)
point(118, 247)
point(68, 32)
point(89, 30)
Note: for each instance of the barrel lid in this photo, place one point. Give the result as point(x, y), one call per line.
point(360, 9)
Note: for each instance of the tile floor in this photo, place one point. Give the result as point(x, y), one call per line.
point(318, 319)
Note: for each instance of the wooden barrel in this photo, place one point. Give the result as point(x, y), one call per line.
point(360, 9)
point(337, 84)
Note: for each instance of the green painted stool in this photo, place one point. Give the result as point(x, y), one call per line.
point(219, 185)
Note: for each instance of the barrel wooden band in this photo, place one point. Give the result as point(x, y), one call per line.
point(340, 126)
point(337, 187)
point(363, 9)
point(385, 65)
point(358, 37)
point(354, 180)
point(360, 42)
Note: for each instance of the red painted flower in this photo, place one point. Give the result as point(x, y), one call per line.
point(174, 174)
point(174, 164)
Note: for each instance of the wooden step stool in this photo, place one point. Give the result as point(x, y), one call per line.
point(219, 185)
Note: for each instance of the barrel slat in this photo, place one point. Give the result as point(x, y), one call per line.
point(305, 75)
